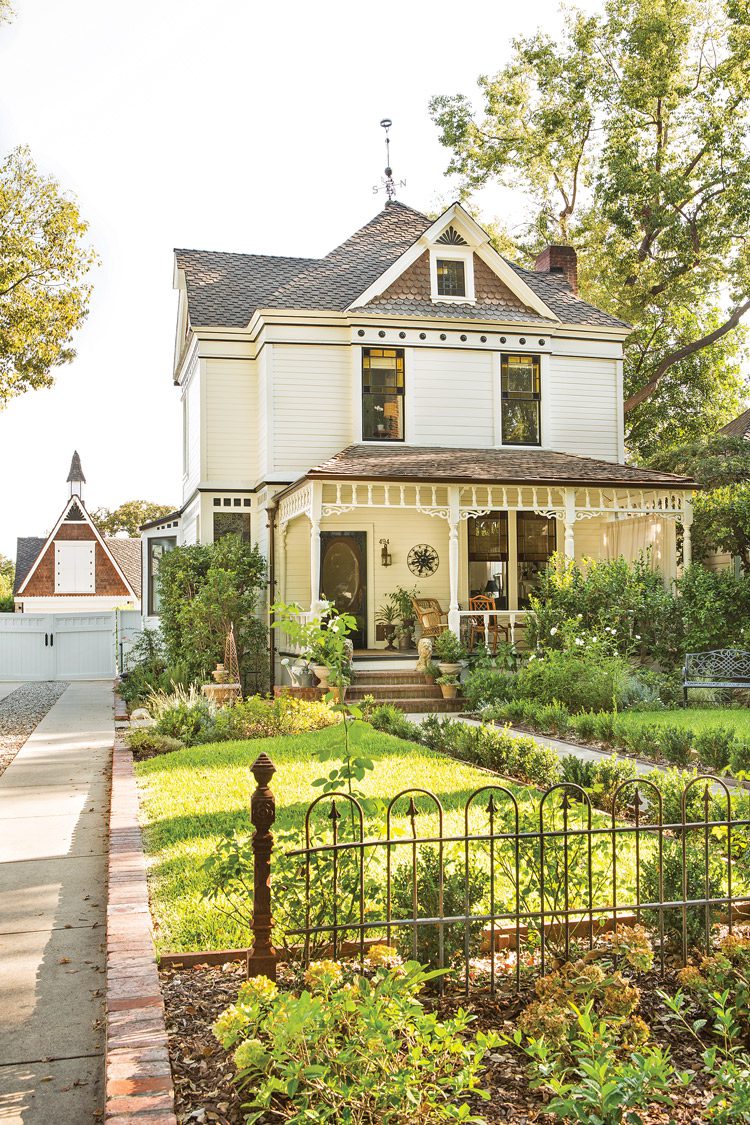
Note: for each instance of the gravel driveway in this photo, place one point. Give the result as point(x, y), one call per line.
point(20, 713)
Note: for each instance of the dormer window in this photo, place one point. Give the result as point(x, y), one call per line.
point(451, 278)
point(452, 270)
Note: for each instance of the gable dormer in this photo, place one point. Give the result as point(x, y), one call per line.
point(454, 263)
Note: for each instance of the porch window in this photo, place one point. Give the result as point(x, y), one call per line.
point(521, 399)
point(537, 542)
point(157, 548)
point(451, 277)
point(488, 557)
point(232, 523)
point(382, 394)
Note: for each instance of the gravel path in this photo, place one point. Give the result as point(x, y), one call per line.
point(20, 713)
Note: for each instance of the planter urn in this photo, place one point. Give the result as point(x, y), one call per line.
point(450, 691)
point(449, 669)
point(322, 673)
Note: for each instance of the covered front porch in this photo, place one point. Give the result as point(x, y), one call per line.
point(355, 541)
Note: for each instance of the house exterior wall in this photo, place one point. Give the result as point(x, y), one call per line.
point(232, 422)
point(311, 406)
point(582, 408)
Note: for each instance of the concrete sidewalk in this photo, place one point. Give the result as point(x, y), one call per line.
point(54, 801)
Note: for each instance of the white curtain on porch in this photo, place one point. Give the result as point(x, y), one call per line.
point(629, 537)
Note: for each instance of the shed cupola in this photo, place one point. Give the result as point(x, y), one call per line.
point(76, 479)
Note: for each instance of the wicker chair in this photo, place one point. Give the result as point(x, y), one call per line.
point(430, 616)
point(477, 625)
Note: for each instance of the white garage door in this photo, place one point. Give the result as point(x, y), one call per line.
point(62, 646)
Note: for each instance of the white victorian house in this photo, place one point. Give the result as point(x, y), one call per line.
point(410, 410)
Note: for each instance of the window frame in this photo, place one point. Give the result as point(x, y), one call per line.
point(399, 393)
point(536, 398)
point(151, 542)
point(245, 515)
point(447, 253)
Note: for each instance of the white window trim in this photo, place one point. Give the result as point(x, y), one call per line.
point(463, 254)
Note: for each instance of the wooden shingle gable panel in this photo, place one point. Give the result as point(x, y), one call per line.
point(110, 580)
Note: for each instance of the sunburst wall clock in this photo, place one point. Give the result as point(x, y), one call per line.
point(423, 560)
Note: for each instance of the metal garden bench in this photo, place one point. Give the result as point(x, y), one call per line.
point(720, 668)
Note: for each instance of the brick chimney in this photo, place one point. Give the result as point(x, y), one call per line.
point(559, 259)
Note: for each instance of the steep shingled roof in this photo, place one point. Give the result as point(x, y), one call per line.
point(224, 290)
point(27, 549)
point(738, 427)
point(127, 555)
point(487, 466)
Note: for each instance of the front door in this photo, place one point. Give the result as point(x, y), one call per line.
point(343, 576)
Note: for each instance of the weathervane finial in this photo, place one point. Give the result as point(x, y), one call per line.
point(388, 184)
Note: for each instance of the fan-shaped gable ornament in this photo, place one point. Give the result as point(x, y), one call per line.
point(451, 237)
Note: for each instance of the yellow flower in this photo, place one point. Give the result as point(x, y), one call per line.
point(230, 1025)
point(250, 1055)
point(323, 974)
point(257, 990)
point(382, 955)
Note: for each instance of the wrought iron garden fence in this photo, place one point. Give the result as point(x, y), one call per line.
point(511, 878)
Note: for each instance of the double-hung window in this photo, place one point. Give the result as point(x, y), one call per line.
point(451, 277)
point(521, 399)
point(382, 394)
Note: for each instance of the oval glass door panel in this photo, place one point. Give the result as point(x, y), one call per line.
point(341, 575)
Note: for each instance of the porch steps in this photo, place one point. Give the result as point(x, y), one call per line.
point(411, 692)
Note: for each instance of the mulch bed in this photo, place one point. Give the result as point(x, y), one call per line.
point(203, 1071)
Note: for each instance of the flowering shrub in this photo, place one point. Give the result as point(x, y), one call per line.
point(581, 680)
point(728, 968)
point(352, 1047)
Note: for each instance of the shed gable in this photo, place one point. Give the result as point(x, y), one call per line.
point(43, 583)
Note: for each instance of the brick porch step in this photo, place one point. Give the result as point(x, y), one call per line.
point(409, 691)
point(394, 691)
point(371, 677)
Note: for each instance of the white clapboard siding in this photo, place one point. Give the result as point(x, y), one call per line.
point(296, 584)
point(449, 398)
point(75, 567)
point(231, 421)
point(581, 413)
point(312, 405)
point(192, 433)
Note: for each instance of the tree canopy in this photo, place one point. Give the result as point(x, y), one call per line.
point(7, 576)
point(129, 517)
point(44, 260)
point(629, 137)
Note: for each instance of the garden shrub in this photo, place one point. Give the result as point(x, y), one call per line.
point(605, 728)
point(606, 775)
point(714, 609)
point(628, 599)
point(643, 741)
point(676, 744)
point(739, 757)
point(145, 742)
point(424, 945)
point(393, 721)
point(714, 746)
point(584, 725)
point(553, 717)
point(695, 916)
point(206, 589)
point(488, 685)
point(351, 1040)
point(728, 968)
point(579, 681)
point(184, 715)
point(147, 670)
point(259, 717)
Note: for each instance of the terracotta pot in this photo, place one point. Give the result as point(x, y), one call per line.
point(450, 691)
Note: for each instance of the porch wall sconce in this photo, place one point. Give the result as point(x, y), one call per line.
point(385, 555)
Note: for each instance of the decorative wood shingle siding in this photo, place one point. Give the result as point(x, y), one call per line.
point(42, 583)
point(231, 422)
point(449, 398)
point(581, 407)
point(312, 405)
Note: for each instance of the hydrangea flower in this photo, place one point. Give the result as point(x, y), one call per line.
point(250, 1055)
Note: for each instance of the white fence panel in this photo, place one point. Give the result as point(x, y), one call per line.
point(25, 649)
point(62, 646)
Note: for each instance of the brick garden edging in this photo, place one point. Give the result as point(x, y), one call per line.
point(138, 1074)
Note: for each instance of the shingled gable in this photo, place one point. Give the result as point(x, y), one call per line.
point(516, 294)
point(81, 518)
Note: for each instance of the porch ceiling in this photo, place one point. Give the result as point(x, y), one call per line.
point(488, 466)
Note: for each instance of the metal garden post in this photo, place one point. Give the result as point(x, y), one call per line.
point(262, 958)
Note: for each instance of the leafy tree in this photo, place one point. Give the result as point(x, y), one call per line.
point(43, 263)
point(7, 576)
point(204, 591)
point(722, 522)
point(715, 461)
point(129, 517)
point(629, 137)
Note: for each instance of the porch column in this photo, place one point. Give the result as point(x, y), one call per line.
point(454, 619)
point(281, 564)
point(315, 506)
point(570, 524)
point(687, 523)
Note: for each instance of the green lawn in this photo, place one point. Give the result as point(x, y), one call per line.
point(694, 718)
point(192, 797)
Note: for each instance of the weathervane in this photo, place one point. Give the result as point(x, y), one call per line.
point(387, 184)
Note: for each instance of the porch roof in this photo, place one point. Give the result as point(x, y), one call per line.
point(487, 466)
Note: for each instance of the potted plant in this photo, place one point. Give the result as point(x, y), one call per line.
point(387, 616)
point(402, 599)
point(449, 653)
point(448, 686)
point(432, 671)
point(322, 641)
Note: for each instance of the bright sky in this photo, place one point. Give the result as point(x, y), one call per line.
point(225, 126)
